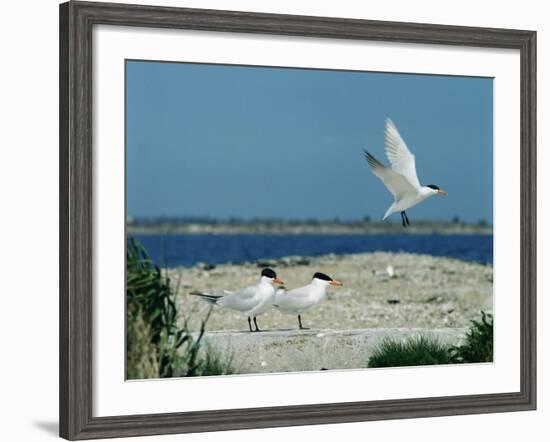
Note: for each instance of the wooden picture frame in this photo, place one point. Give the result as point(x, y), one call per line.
point(76, 243)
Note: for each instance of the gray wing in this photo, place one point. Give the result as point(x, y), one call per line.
point(243, 300)
point(295, 299)
point(397, 184)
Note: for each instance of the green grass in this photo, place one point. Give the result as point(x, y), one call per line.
point(214, 364)
point(156, 346)
point(420, 350)
point(423, 350)
point(478, 345)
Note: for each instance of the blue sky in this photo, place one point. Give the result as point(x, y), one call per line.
point(223, 141)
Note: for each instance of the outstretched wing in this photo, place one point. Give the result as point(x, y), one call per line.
point(396, 183)
point(401, 159)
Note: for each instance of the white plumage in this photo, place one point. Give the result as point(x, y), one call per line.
point(252, 301)
point(297, 300)
point(401, 178)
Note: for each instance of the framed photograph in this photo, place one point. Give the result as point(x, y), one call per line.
point(271, 220)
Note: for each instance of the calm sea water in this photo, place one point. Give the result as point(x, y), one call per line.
point(187, 250)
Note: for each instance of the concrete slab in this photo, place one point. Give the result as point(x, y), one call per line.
point(312, 350)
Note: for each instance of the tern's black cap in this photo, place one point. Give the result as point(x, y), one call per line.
point(322, 276)
point(269, 273)
point(433, 186)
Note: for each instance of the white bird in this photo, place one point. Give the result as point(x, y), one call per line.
point(400, 179)
point(252, 301)
point(297, 300)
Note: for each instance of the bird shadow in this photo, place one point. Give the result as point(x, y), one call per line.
point(265, 330)
point(50, 427)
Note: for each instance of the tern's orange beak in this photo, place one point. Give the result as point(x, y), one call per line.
point(335, 282)
point(278, 280)
point(441, 192)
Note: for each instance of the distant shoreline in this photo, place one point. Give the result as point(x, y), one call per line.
point(322, 228)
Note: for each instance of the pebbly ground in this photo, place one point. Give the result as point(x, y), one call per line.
point(423, 292)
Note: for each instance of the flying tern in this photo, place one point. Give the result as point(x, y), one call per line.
point(297, 300)
point(252, 301)
point(400, 179)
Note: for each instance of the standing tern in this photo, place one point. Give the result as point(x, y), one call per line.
point(297, 300)
point(252, 301)
point(400, 179)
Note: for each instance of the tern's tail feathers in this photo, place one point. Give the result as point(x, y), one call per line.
point(208, 297)
point(389, 211)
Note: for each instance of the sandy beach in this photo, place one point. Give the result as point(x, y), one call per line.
point(424, 291)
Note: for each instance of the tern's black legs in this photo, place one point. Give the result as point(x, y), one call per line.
point(256, 325)
point(405, 219)
point(300, 323)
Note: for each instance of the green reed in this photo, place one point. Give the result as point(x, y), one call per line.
point(159, 342)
